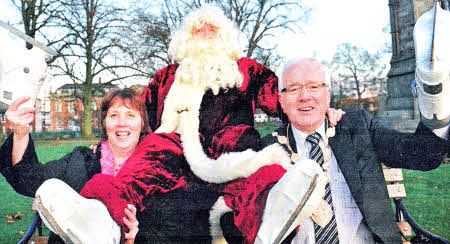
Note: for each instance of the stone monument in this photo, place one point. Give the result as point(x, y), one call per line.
point(401, 107)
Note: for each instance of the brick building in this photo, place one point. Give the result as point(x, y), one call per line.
point(65, 110)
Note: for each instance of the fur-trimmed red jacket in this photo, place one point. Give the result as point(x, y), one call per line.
point(226, 125)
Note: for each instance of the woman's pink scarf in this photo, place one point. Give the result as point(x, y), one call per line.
point(107, 161)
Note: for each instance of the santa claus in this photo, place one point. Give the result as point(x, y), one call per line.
point(209, 97)
point(214, 160)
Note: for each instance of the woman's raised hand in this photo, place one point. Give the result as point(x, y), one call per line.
point(19, 119)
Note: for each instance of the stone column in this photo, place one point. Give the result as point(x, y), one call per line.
point(401, 108)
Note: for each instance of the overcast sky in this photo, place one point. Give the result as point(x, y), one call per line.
point(332, 22)
point(359, 22)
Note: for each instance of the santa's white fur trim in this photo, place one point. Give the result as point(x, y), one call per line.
point(179, 98)
point(228, 166)
point(181, 114)
point(217, 211)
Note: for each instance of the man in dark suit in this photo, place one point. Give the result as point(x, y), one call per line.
point(351, 155)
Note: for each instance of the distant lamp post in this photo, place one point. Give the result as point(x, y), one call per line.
point(76, 127)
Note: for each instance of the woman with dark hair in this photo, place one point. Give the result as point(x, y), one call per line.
point(172, 204)
point(124, 123)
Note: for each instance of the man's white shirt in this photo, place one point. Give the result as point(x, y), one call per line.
point(351, 228)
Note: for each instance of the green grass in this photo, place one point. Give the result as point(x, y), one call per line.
point(54, 150)
point(11, 202)
point(427, 199)
point(265, 129)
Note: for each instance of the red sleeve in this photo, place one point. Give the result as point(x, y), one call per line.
point(247, 197)
point(262, 83)
point(156, 166)
point(150, 98)
point(156, 92)
point(234, 139)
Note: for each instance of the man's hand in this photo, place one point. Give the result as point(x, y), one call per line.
point(19, 119)
point(334, 115)
point(131, 223)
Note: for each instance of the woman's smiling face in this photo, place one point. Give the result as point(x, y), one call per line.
point(123, 126)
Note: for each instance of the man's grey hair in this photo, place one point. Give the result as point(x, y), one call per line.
point(295, 61)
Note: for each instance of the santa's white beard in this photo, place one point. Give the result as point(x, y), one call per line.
point(208, 64)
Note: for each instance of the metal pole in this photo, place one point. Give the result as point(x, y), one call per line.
point(28, 39)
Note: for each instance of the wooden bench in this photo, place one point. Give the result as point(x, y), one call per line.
point(406, 224)
point(396, 190)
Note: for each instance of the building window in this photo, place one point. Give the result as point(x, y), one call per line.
point(70, 106)
point(71, 123)
point(396, 46)
point(7, 95)
point(445, 4)
point(58, 106)
point(46, 105)
point(47, 119)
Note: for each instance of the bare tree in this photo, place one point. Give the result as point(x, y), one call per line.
point(268, 57)
point(261, 21)
point(86, 35)
point(357, 71)
point(38, 17)
point(146, 39)
point(92, 51)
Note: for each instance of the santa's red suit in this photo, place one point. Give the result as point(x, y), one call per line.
point(226, 125)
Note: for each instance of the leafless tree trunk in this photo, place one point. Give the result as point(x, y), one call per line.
point(2, 139)
point(92, 50)
point(86, 34)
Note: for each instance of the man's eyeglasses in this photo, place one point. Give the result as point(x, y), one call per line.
point(312, 87)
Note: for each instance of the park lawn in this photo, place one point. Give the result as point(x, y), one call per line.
point(12, 203)
point(265, 129)
point(427, 199)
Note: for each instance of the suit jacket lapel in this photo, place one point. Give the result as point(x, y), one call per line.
point(341, 145)
point(291, 137)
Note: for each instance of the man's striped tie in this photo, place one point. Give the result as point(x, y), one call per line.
point(327, 234)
